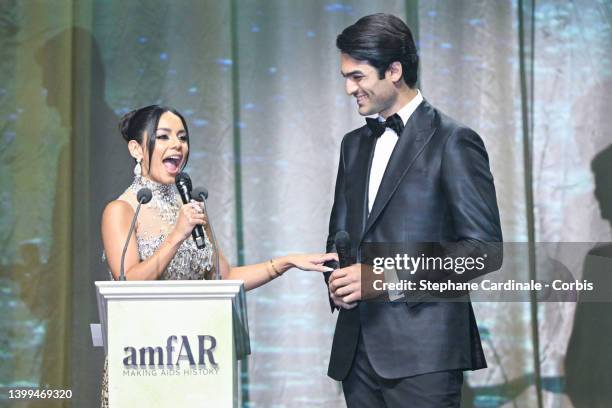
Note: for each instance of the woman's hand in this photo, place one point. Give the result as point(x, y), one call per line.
point(190, 215)
point(309, 262)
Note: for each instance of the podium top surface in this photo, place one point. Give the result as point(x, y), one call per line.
point(170, 288)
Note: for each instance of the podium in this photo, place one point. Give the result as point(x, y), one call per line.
point(173, 343)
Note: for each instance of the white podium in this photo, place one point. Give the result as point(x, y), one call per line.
point(173, 343)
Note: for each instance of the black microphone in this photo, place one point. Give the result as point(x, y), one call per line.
point(143, 196)
point(201, 194)
point(343, 248)
point(183, 184)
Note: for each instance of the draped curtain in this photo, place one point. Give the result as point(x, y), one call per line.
point(258, 82)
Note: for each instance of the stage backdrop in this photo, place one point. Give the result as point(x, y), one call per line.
point(259, 84)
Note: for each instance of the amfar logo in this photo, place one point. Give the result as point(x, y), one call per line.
point(158, 356)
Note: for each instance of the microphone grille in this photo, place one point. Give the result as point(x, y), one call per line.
point(144, 195)
point(342, 240)
point(183, 179)
point(198, 192)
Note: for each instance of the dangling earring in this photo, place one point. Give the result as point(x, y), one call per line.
point(137, 169)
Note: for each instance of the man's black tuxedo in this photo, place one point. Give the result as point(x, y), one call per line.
point(437, 187)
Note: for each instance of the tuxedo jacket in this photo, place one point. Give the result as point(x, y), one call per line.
point(437, 187)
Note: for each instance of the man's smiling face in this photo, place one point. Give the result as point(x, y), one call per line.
point(374, 95)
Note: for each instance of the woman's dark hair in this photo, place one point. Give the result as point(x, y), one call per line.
point(381, 39)
point(133, 125)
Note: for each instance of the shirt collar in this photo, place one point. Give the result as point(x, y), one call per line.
point(407, 110)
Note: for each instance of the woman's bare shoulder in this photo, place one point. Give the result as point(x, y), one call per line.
point(117, 210)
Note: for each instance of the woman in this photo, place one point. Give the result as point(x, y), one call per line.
point(162, 248)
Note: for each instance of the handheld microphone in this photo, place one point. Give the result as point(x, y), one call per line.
point(201, 194)
point(343, 248)
point(183, 184)
point(143, 196)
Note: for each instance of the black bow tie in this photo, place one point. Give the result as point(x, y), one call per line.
point(378, 128)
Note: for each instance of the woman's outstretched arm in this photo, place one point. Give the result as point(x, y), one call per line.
point(256, 275)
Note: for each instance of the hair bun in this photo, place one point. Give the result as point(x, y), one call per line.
point(125, 123)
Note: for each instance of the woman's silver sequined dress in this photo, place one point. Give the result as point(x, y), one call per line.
point(155, 221)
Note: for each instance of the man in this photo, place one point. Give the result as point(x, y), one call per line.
point(410, 175)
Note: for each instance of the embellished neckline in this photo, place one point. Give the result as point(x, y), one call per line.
point(164, 191)
point(165, 197)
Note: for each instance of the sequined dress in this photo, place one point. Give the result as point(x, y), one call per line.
point(155, 221)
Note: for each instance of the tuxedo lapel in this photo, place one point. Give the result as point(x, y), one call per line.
point(361, 174)
point(417, 133)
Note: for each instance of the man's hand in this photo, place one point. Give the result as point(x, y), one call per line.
point(338, 301)
point(345, 286)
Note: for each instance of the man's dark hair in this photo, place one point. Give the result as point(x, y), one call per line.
point(381, 39)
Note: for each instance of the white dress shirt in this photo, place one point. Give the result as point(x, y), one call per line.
point(384, 147)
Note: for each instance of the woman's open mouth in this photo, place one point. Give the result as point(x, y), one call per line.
point(173, 163)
